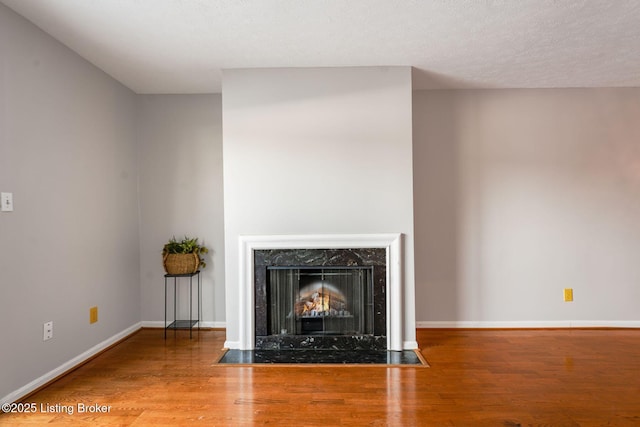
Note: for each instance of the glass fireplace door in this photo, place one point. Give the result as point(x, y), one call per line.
point(320, 301)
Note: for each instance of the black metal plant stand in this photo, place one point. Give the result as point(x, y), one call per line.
point(181, 324)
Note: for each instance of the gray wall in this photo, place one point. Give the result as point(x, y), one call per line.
point(521, 193)
point(316, 151)
point(180, 141)
point(68, 154)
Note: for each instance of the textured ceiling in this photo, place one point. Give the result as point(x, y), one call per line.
point(181, 46)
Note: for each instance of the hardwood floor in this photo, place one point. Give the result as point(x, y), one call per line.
point(476, 378)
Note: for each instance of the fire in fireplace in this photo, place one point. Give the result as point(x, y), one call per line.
point(320, 301)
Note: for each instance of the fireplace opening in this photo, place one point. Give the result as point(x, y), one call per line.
point(312, 301)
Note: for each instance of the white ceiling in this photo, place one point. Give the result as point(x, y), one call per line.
point(181, 46)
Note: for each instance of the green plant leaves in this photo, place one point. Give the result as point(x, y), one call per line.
point(188, 245)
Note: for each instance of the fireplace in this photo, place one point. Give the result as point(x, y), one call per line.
point(320, 298)
point(377, 255)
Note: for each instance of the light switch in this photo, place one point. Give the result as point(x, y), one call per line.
point(7, 202)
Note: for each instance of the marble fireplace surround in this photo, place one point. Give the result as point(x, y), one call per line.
point(392, 243)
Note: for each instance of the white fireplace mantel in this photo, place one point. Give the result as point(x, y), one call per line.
point(391, 242)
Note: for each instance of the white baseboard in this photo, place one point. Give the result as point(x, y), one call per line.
point(39, 382)
point(454, 324)
point(203, 324)
point(217, 325)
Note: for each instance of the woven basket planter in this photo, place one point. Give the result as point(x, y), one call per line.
point(181, 263)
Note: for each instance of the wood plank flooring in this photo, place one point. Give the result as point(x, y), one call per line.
point(477, 378)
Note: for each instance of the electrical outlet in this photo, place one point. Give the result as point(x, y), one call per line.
point(93, 314)
point(47, 331)
point(568, 294)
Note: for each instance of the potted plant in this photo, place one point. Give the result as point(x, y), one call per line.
point(183, 257)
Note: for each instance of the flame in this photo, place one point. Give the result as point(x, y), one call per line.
point(320, 299)
point(321, 302)
point(318, 303)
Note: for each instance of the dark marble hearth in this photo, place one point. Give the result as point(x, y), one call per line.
point(369, 357)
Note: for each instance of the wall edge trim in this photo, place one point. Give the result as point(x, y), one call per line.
point(523, 324)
